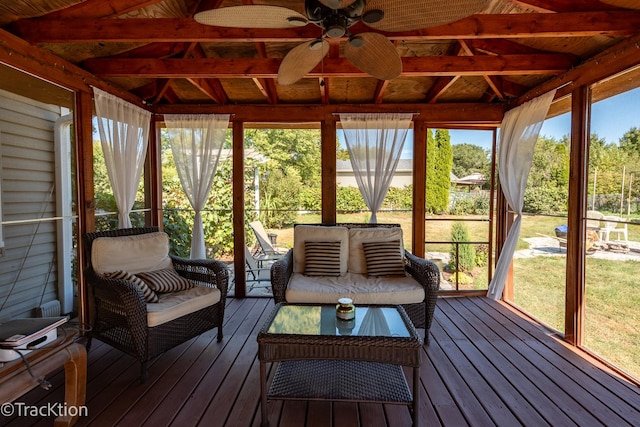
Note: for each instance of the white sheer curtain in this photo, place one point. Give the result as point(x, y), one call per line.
point(518, 135)
point(124, 134)
point(375, 142)
point(196, 142)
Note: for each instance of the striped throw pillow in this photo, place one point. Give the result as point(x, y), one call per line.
point(322, 258)
point(384, 258)
point(149, 294)
point(165, 280)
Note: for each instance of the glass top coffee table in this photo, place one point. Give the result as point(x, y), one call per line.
point(325, 358)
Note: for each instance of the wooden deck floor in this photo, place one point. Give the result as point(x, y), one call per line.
point(483, 366)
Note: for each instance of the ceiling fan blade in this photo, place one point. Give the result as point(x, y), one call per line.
point(408, 15)
point(337, 4)
point(627, 4)
point(300, 60)
point(374, 54)
point(252, 16)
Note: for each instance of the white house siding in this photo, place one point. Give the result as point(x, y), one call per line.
point(403, 176)
point(28, 273)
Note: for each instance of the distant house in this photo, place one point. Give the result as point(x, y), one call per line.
point(402, 178)
point(475, 179)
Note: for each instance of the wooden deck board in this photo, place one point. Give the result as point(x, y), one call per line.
point(484, 365)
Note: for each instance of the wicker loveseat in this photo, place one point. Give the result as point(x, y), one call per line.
point(122, 314)
point(415, 288)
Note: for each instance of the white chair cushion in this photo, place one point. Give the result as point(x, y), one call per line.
point(357, 261)
point(317, 233)
point(360, 288)
point(173, 305)
point(134, 254)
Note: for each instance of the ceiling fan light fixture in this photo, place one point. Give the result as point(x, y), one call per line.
point(316, 45)
point(333, 4)
point(296, 21)
point(335, 26)
point(372, 16)
point(356, 41)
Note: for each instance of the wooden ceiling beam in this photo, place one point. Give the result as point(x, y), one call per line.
point(268, 89)
point(324, 90)
point(331, 67)
point(155, 50)
point(527, 25)
point(500, 47)
point(472, 114)
point(266, 86)
point(439, 88)
point(212, 88)
point(381, 87)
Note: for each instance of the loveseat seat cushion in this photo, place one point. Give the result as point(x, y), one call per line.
point(318, 233)
point(359, 287)
point(357, 261)
point(134, 254)
point(173, 305)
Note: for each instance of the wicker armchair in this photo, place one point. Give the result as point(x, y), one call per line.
point(119, 309)
point(425, 272)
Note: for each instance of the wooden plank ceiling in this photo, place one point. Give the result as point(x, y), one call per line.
point(156, 50)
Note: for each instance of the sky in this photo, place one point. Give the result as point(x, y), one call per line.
point(610, 119)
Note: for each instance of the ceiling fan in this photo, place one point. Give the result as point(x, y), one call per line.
point(370, 52)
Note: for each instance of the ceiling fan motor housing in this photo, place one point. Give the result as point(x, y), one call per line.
point(334, 21)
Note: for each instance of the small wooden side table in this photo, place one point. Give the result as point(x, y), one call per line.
point(15, 379)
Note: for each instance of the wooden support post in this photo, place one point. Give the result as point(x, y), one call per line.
point(329, 147)
point(578, 181)
point(419, 186)
point(85, 193)
point(153, 177)
point(238, 210)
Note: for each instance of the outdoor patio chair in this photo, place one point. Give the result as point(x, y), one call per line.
point(267, 248)
point(144, 301)
point(612, 225)
point(258, 271)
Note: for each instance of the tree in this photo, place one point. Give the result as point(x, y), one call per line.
point(289, 148)
point(469, 158)
point(630, 141)
point(439, 164)
point(548, 183)
point(466, 254)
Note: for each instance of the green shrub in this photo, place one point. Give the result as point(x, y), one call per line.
point(463, 207)
point(481, 204)
point(399, 198)
point(311, 199)
point(466, 252)
point(349, 199)
point(280, 193)
point(545, 199)
point(463, 278)
point(482, 255)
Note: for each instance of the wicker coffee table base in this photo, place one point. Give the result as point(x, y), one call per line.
point(346, 380)
point(340, 380)
point(329, 366)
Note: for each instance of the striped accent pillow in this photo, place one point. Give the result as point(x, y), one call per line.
point(384, 258)
point(322, 258)
point(165, 280)
point(149, 294)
